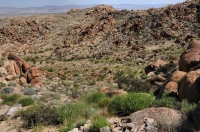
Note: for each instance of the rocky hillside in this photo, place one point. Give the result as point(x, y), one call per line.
point(60, 59)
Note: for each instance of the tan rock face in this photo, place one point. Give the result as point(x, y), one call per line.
point(191, 57)
point(25, 65)
point(165, 116)
point(189, 88)
point(177, 76)
point(22, 80)
point(172, 87)
point(32, 76)
point(11, 68)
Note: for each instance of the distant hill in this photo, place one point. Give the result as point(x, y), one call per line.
point(11, 11)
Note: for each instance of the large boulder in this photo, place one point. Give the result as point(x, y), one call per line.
point(163, 116)
point(32, 76)
point(189, 88)
point(191, 57)
point(177, 76)
point(172, 87)
point(10, 68)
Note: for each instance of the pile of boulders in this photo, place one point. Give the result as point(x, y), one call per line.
point(14, 68)
point(185, 82)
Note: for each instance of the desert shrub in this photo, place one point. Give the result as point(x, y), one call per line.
point(12, 84)
point(104, 102)
point(187, 107)
point(26, 101)
point(29, 91)
point(49, 95)
point(98, 122)
point(130, 83)
point(40, 114)
point(7, 90)
point(10, 99)
point(72, 112)
point(126, 104)
point(167, 69)
point(168, 102)
point(95, 97)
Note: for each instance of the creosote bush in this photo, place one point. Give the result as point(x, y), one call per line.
point(127, 104)
point(72, 112)
point(10, 99)
point(26, 101)
point(95, 97)
point(41, 114)
point(98, 122)
point(165, 101)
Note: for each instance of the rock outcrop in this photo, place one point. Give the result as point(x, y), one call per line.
point(189, 88)
point(191, 57)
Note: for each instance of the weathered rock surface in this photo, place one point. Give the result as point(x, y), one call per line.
point(191, 57)
point(189, 88)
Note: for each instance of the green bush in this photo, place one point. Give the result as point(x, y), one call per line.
point(10, 99)
point(98, 122)
point(187, 107)
point(41, 114)
point(127, 104)
point(168, 102)
point(72, 112)
point(95, 97)
point(26, 101)
point(104, 102)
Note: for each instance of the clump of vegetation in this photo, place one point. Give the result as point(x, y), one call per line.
point(165, 101)
point(41, 114)
point(10, 99)
point(12, 84)
point(49, 95)
point(130, 83)
point(187, 107)
point(7, 90)
point(127, 104)
point(26, 101)
point(167, 69)
point(29, 91)
point(95, 97)
point(72, 112)
point(98, 122)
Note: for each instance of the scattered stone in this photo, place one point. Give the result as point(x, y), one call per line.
point(105, 129)
point(13, 109)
